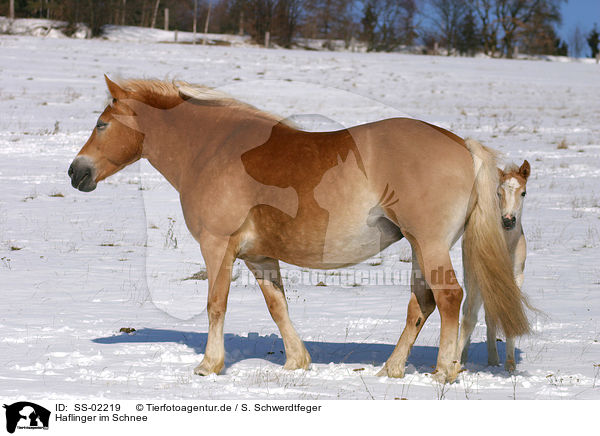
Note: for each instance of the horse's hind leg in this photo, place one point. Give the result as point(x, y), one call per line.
point(448, 294)
point(420, 306)
point(268, 277)
point(219, 259)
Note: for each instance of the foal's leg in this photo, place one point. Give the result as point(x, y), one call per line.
point(519, 255)
point(492, 349)
point(420, 306)
point(269, 279)
point(511, 364)
point(471, 308)
point(219, 258)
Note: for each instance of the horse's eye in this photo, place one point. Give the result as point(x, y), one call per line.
point(100, 125)
point(523, 194)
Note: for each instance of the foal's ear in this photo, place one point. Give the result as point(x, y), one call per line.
point(525, 170)
point(115, 90)
point(500, 173)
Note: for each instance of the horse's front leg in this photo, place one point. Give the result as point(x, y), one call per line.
point(267, 274)
point(219, 255)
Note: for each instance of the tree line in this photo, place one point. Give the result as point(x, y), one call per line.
point(499, 28)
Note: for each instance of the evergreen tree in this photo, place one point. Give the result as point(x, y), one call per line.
point(561, 48)
point(369, 24)
point(593, 40)
point(469, 40)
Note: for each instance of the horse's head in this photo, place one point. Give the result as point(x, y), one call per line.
point(512, 191)
point(112, 145)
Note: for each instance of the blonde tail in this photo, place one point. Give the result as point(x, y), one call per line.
point(487, 264)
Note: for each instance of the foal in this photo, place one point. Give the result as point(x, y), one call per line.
point(511, 194)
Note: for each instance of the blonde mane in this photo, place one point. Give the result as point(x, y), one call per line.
point(161, 94)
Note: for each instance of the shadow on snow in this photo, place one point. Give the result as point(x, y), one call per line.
point(271, 348)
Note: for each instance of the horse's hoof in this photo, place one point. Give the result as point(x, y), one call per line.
point(387, 371)
point(382, 372)
point(293, 365)
point(200, 370)
point(510, 366)
point(493, 362)
point(443, 377)
point(204, 369)
point(446, 375)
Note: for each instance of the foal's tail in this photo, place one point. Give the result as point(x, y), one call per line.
point(487, 264)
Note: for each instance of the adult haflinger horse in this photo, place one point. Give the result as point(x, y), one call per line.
point(256, 188)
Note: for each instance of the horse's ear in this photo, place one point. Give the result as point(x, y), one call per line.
point(525, 170)
point(115, 90)
point(500, 173)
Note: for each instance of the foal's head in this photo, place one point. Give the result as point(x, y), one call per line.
point(512, 191)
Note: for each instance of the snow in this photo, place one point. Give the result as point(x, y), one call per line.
point(75, 268)
point(141, 34)
point(43, 27)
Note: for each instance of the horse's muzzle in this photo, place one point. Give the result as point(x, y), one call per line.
point(509, 223)
point(82, 174)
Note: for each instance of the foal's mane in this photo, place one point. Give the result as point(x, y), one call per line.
point(165, 94)
point(511, 168)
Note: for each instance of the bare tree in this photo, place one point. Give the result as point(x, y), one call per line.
point(123, 5)
point(287, 20)
point(488, 24)
point(328, 19)
point(447, 15)
point(515, 15)
point(576, 42)
point(154, 14)
point(386, 24)
point(259, 14)
point(538, 36)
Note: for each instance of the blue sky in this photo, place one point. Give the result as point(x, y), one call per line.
point(582, 13)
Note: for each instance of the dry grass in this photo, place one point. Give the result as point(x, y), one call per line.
point(200, 275)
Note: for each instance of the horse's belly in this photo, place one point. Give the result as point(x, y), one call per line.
point(331, 247)
point(345, 249)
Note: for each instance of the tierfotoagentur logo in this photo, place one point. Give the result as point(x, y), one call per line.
point(26, 415)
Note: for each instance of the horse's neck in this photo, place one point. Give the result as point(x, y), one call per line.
point(512, 236)
point(183, 141)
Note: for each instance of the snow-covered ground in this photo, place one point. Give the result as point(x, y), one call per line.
point(75, 268)
point(144, 34)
